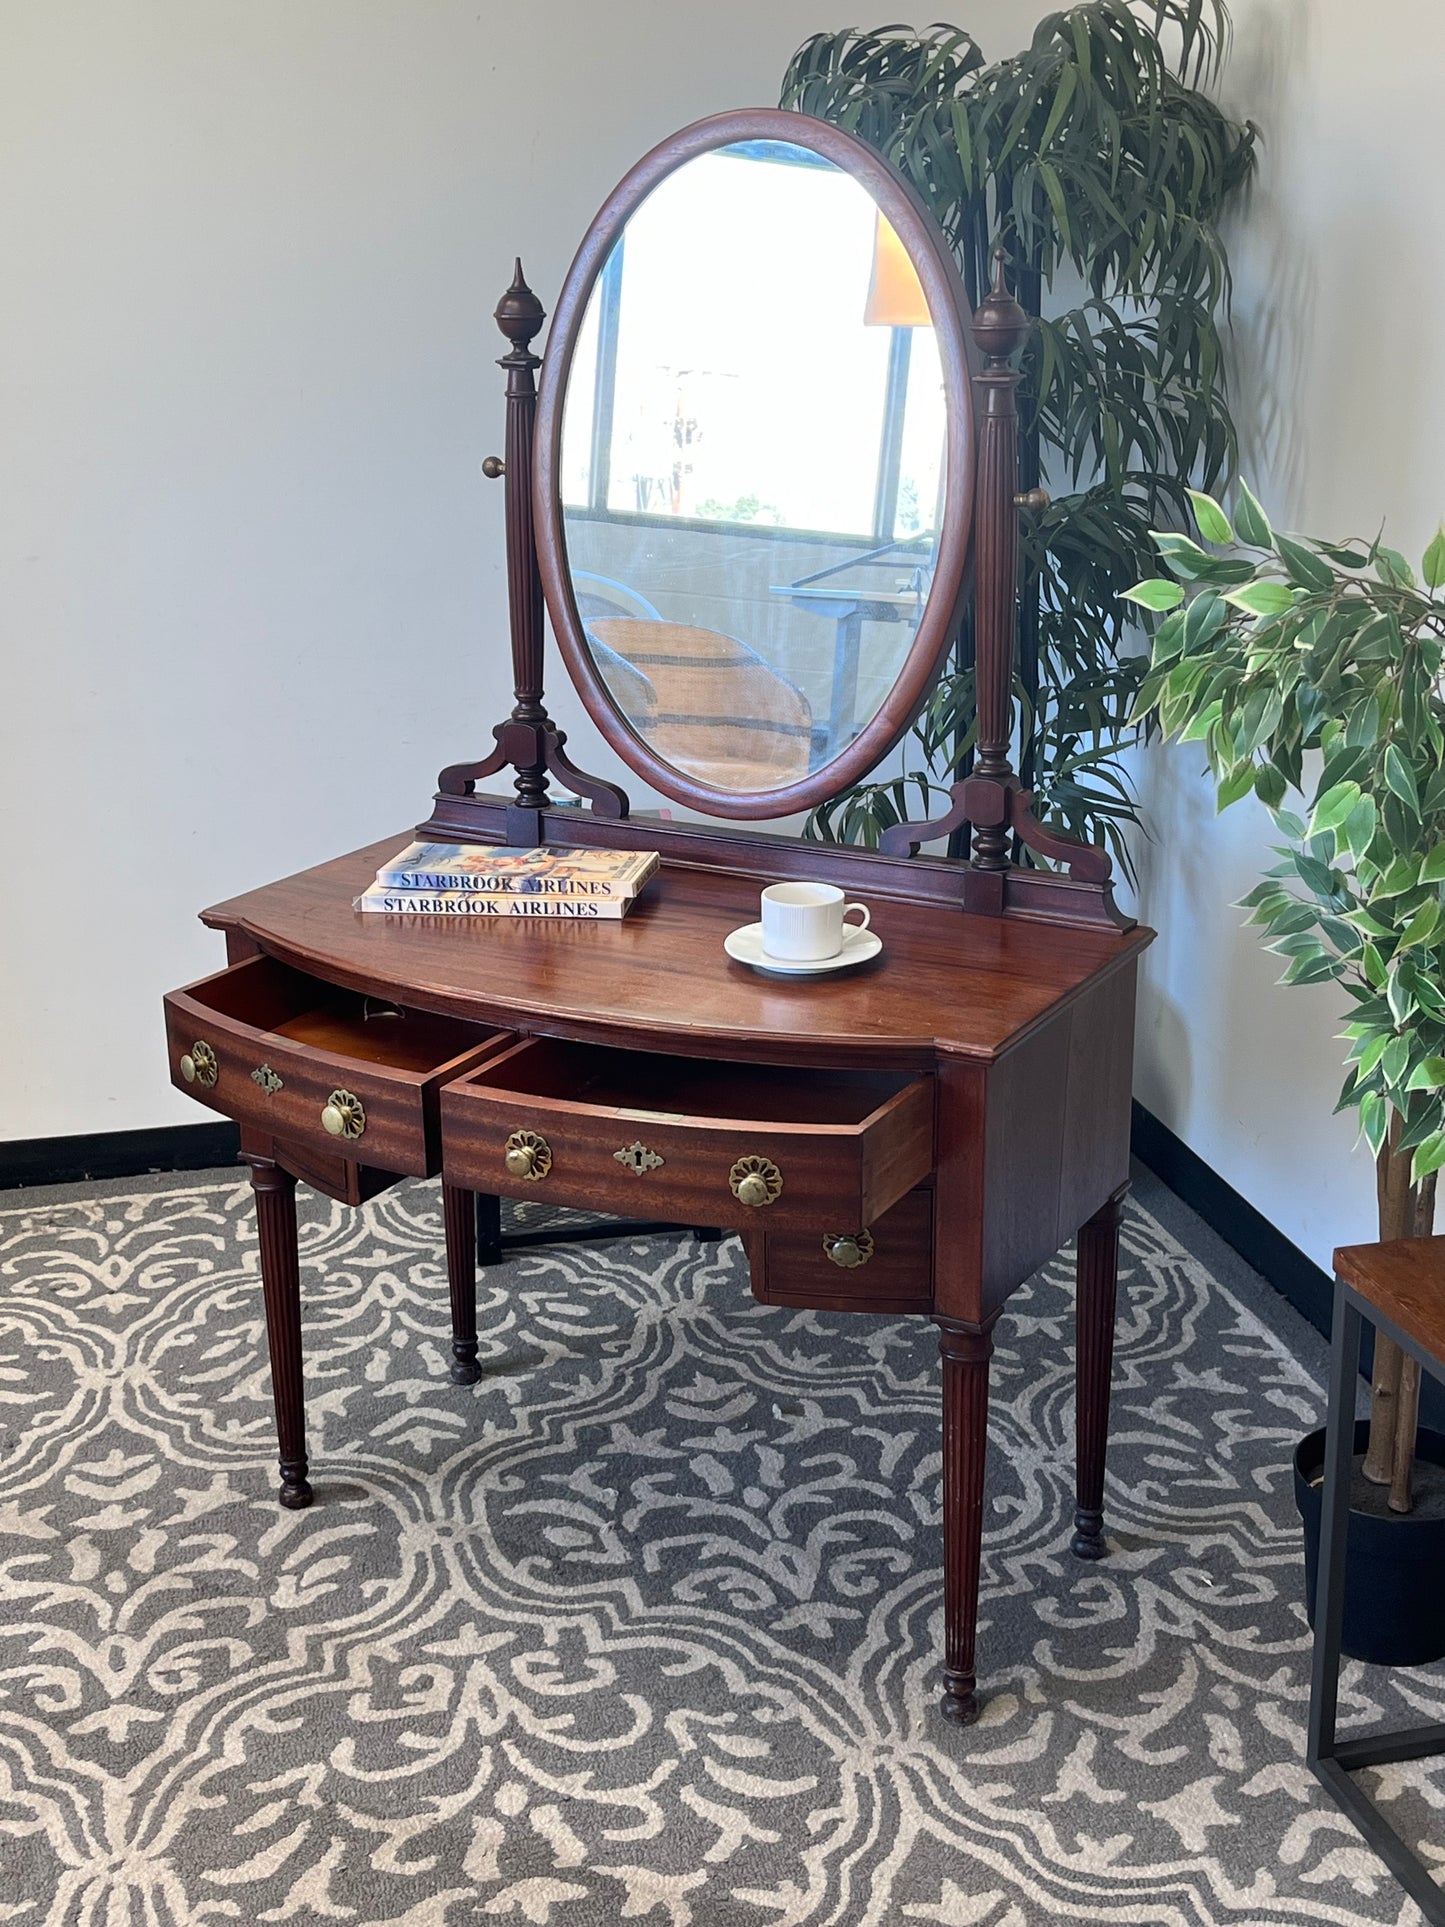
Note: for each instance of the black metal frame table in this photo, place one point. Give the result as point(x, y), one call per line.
point(1334, 1760)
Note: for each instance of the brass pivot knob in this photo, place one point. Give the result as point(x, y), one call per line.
point(494, 467)
point(1035, 500)
point(755, 1181)
point(528, 1156)
point(199, 1066)
point(343, 1115)
point(848, 1249)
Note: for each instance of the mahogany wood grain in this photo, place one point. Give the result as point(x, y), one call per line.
point(965, 1357)
point(793, 1268)
point(848, 1144)
point(1095, 1308)
point(947, 303)
point(459, 1216)
point(275, 1191)
point(1404, 1280)
point(658, 978)
point(318, 1039)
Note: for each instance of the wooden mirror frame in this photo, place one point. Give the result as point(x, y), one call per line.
point(948, 305)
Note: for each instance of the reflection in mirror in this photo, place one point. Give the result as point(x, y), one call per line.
point(751, 465)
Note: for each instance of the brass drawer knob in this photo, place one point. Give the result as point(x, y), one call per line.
point(848, 1249)
point(755, 1181)
point(528, 1156)
point(343, 1115)
point(199, 1066)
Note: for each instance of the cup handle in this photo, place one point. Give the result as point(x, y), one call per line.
point(862, 910)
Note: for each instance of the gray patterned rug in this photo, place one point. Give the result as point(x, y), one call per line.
point(645, 1625)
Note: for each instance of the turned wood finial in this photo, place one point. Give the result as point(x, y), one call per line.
point(519, 313)
point(1000, 326)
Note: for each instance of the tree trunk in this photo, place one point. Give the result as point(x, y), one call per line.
point(1406, 1211)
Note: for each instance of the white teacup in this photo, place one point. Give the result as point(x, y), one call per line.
point(804, 922)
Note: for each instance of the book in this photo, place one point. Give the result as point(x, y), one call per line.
point(497, 870)
point(479, 903)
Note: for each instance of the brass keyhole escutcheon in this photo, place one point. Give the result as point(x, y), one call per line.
point(199, 1065)
point(343, 1115)
point(528, 1156)
point(848, 1249)
point(637, 1159)
point(755, 1181)
point(268, 1080)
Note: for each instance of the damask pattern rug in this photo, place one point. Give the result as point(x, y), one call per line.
point(644, 1626)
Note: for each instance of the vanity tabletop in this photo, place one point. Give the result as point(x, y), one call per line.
point(945, 982)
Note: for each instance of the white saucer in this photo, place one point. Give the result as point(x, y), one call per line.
point(745, 946)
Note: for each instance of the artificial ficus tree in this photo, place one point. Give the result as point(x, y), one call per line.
point(1310, 672)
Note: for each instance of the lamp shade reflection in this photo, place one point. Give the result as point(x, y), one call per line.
point(895, 294)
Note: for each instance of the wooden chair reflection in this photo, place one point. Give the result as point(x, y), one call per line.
point(712, 706)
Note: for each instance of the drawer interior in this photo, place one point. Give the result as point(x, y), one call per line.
point(645, 1085)
point(268, 996)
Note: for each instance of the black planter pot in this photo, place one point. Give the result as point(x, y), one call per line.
point(1395, 1567)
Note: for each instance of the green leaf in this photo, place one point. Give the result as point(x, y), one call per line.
point(1432, 565)
point(1209, 517)
point(1333, 807)
point(1422, 926)
point(1262, 598)
point(1429, 1157)
point(1432, 870)
point(1250, 520)
point(1395, 1059)
point(1392, 568)
point(1374, 1120)
point(1399, 996)
point(1428, 1075)
point(1236, 783)
point(1401, 778)
point(1156, 593)
point(1305, 569)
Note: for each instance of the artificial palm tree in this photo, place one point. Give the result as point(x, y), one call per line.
point(1095, 158)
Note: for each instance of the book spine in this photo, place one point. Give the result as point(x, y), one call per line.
point(423, 903)
point(467, 883)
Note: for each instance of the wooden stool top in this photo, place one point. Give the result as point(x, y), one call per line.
point(1404, 1280)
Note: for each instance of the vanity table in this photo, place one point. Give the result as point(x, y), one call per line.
point(912, 1136)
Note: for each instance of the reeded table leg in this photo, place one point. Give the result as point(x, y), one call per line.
point(275, 1191)
point(965, 1446)
point(1095, 1303)
point(459, 1212)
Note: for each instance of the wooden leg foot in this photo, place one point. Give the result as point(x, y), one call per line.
point(460, 1213)
point(295, 1493)
point(959, 1703)
point(965, 1445)
point(275, 1191)
point(1098, 1278)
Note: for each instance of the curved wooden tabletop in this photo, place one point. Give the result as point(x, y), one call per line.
point(659, 979)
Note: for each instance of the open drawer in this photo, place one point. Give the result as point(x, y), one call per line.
point(313, 1064)
point(689, 1140)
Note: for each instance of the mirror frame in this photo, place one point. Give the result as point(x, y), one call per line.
point(948, 304)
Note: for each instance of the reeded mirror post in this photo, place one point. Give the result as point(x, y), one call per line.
point(991, 799)
point(529, 741)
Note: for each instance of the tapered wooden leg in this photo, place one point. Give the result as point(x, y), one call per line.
point(965, 1446)
point(459, 1214)
point(275, 1191)
point(1098, 1278)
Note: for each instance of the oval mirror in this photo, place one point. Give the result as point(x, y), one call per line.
point(754, 470)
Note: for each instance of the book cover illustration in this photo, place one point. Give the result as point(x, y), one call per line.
point(496, 870)
point(477, 903)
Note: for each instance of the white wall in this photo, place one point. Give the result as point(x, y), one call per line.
point(251, 580)
point(251, 590)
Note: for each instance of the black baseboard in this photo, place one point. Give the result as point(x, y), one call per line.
point(117, 1154)
point(1263, 1248)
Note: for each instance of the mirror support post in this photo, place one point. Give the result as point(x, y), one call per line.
point(529, 741)
point(991, 798)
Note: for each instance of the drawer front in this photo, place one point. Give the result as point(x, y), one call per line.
point(887, 1268)
point(387, 1114)
point(687, 1169)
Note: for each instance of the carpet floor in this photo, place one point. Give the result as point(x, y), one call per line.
point(645, 1625)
